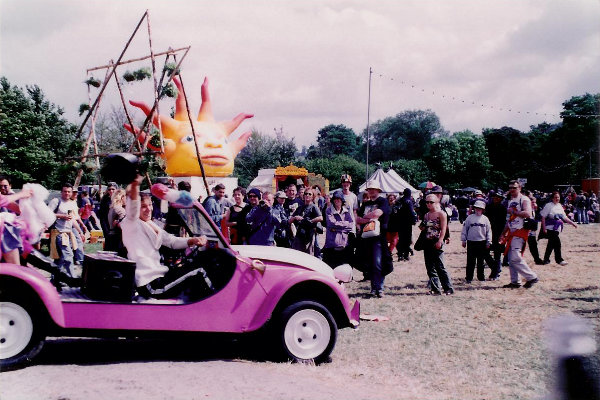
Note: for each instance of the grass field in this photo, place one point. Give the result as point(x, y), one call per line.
point(484, 342)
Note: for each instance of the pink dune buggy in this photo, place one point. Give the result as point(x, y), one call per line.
point(294, 297)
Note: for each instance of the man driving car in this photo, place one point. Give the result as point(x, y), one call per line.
point(143, 239)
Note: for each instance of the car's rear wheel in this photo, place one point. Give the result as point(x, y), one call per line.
point(308, 332)
point(21, 333)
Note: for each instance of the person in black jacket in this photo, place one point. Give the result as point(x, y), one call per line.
point(406, 219)
point(496, 213)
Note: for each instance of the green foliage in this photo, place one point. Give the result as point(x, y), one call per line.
point(459, 160)
point(142, 73)
point(83, 107)
point(170, 68)
point(263, 151)
point(169, 90)
point(332, 168)
point(413, 171)
point(407, 135)
point(93, 82)
point(334, 139)
point(35, 139)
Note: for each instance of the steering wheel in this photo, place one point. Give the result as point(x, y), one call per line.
point(191, 258)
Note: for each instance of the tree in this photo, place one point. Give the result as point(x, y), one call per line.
point(263, 151)
point(413, 171)
point(332, 168)
point(35, 139)
point(334, 139)
point(460, 160)
point(407, 135)
point(509, 153)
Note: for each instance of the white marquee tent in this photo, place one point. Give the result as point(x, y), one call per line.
point(390, 182)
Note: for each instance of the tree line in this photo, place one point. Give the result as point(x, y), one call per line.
point(38, 144)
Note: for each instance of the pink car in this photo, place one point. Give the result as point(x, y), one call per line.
point(296, 297)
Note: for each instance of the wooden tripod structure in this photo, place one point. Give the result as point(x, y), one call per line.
point(111, 72)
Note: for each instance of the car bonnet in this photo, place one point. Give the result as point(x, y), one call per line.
point(284, 255)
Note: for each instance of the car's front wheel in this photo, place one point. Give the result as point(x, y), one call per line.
point(308, 332)
point(21, 335)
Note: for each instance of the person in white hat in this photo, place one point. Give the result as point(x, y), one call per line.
point(376, 257)
point(476, 236)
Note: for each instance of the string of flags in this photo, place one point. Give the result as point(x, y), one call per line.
point(477, 103)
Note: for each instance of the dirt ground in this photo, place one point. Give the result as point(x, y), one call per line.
point(402, 358)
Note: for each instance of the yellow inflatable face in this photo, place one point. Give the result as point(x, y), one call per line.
point(216, 151)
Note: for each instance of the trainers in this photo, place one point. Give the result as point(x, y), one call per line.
point(512, 286)
point(546, 262)
point(563, 262)
point(448, 292)
point(434, 292)
point(468, 282)
point(539, 262)
point(530, 283)
point(494, 278)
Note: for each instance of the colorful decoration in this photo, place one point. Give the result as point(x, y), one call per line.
point(216, 152)
point(179, 198)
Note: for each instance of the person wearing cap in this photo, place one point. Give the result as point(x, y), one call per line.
point(496, 212)
point(476, 236)
point(376, 257)
point(515, 235)
point(283, 234)
point(433, 226)
point(339, 222)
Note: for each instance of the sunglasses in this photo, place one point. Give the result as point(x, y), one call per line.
point(429, 202)
point(513, 187)
point(308, 194)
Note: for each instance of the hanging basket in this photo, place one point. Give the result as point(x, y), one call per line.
point(128, 76)
point(169, 90)
point(93, 82)
point(142, 73)
point(170, 68)
point(83, 107)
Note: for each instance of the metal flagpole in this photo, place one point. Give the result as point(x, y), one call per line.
point(368, 121)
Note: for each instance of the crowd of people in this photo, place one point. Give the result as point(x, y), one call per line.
point(336, 227)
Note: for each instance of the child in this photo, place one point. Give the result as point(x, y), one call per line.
point(477, 232)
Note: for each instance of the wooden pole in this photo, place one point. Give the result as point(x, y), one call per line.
point(187, 107)
point(368, 121)
point(168, 52)
point(108, 75)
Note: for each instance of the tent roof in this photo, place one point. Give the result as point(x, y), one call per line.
point(390, 182)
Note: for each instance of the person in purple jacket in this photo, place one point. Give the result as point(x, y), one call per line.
point(339, 222)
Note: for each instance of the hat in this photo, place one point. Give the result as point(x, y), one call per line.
point(479, 204)
point(407, 192)
point(338, 195)
point(436, 189)
point(373, 185)
point(478, 193)
point(254, 191)
point(111, 184)
point(499, 193)
point(346, 178)
point(280, 195)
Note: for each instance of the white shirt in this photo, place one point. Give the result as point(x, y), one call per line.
point(64, 225)
point(552, 211)
point(143, 239)
point(518, 203)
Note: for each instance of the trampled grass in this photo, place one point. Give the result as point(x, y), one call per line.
point(483, 342)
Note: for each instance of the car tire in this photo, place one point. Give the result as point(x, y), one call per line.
point(307, 332)
point(21, 331)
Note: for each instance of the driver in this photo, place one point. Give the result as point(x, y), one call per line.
point(143, 238)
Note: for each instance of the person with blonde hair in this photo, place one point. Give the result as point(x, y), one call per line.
point(116, 214)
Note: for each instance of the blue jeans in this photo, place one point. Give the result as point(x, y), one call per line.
point(374, 248)
point(65, 253)
point(78, 256)
point(582, 216)
point(434, 262)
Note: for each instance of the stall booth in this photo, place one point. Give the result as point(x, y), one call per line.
point(279, 178)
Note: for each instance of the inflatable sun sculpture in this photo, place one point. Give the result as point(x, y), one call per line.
point(216, 152)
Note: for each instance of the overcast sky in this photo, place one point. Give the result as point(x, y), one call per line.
point(302, 65)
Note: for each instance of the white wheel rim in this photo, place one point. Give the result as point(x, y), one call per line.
point(16, 329)
point(307, 334)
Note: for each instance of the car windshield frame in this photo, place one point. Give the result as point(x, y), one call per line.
point(199, 223)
